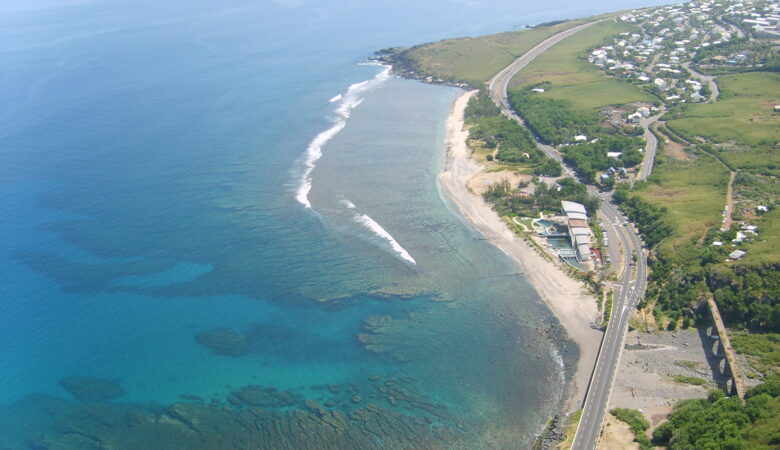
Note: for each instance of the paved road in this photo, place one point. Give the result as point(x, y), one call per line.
point(632, 280)
point(709, 79)
point(500, 82)
point(650, 147)
point(628, 292)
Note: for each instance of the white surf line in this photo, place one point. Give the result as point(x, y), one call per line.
point(346, 103)
point(371, 224)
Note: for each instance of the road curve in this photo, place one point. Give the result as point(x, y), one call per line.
point(633, 281)
point(709, 79)
point(650, 147)
point(500, 82)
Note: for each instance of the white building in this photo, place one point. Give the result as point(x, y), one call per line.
point(579, 233)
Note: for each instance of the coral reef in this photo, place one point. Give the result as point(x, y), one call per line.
point(225, 342)
point(91, 389)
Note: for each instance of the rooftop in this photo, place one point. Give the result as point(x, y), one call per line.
point(573, 207)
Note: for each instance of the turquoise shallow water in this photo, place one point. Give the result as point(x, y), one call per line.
point(150, 162)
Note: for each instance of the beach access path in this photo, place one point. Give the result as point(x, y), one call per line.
point(567, 298)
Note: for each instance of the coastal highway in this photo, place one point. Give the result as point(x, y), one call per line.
point(499, 84)
point(632, 281)
point(627, 292)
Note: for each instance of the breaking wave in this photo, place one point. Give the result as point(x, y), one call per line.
point(346, 103)
point(371, 224)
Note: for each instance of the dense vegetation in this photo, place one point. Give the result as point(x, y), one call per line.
point(545, 199)
point(513, 142)
point(748, 295)
point(725, 423)
point(554, 121)
point(763, 349)
point(481, 105)
point(638, 424)
point(651, 220)
point(591, 157)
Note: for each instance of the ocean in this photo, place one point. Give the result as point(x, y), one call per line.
point(217, 217)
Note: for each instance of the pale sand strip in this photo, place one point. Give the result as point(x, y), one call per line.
point(567, 298)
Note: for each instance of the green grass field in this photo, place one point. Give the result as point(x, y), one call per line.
point(575, 79)
point(743, 113)
point(477, 59)
point(694, 192)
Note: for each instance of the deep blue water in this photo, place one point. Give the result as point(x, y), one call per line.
point(150, 158)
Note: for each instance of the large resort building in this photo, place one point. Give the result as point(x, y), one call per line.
point(579, 233)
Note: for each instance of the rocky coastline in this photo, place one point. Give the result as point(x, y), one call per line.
point(401, 65)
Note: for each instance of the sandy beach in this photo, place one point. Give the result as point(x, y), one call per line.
point(567, 298)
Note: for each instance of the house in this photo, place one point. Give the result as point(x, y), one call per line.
point(777, 108)
point(762, 208)
point(741, 236)
point(634, 118)
point(736, 255)
point(644, 111)
point(580, 138)
point(615, 155)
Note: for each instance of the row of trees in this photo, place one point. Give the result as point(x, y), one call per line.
point(514, 142)
point(591, 157)
point(651, 220)
point(507, 201)
point(554, 121)
point(481, 105)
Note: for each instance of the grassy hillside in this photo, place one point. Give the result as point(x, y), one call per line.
point(694, 192)
point(741, 124)
point(575, 79)
point(765, 248)
point(476, 60)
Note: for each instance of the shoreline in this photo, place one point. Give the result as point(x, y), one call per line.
point(568, 299)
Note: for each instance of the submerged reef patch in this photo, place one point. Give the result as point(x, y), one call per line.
point(241, 423)
point(91, 389)
point(223, 341)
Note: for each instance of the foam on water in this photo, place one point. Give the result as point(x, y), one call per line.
point(371, 224)
point(350, 100)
